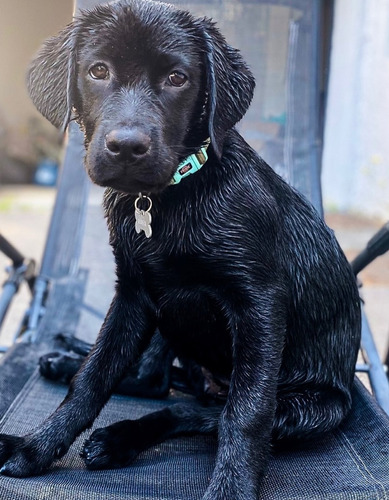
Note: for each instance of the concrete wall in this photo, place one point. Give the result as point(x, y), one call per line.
point(356, 145)
point(24, 24)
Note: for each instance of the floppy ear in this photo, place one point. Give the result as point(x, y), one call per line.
point(51, 77)
point(230, 85)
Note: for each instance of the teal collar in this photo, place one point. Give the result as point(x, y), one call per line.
point(191, 164)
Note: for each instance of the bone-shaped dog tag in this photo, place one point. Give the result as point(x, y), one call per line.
point(143, 217)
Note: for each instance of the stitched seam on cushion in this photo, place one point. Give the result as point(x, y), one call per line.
point(357, 459)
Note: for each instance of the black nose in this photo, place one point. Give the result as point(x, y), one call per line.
point(128, 144)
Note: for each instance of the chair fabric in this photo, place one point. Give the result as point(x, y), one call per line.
point(352, 463)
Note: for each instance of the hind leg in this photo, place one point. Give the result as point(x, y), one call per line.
point(60, 366)
point(63, 366)
point(119, 444)
point(150, 377)
point(306, 413)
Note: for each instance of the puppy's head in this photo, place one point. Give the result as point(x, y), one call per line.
point(148, 84)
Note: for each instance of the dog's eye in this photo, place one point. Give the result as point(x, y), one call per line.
point(177, 79)
point(99, 72)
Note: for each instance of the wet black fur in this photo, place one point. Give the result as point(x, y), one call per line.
point(241, 275)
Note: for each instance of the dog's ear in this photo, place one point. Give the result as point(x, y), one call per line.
point(230, 85)
point(51, 77)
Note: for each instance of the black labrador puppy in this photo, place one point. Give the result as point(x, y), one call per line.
point(229, 266)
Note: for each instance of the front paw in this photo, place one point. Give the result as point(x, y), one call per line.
point(18, 458)
point(112, 447)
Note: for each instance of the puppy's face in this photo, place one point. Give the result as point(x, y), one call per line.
point(138, 93)
point(149, 84)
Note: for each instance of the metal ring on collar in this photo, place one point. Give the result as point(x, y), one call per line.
point(142, 197)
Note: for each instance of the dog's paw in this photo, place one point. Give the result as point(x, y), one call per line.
point(18, 458)
point(58, 366)
point(7, 445)
point(111, 447)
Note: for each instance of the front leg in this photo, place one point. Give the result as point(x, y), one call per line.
point(246, 422)
point(126, 331)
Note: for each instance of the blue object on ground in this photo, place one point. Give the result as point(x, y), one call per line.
point(46, 173)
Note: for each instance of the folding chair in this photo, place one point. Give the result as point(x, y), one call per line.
point(75, 285)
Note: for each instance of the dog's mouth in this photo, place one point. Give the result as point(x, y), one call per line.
point(152, 173)
point(128, 179)
point(130, 159)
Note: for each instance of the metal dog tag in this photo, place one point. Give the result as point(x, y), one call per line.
point(143, 217)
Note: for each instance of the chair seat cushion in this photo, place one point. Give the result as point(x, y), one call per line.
point(350, 463)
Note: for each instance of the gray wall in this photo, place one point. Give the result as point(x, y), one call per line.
point(356, 144)
point(24, 24)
